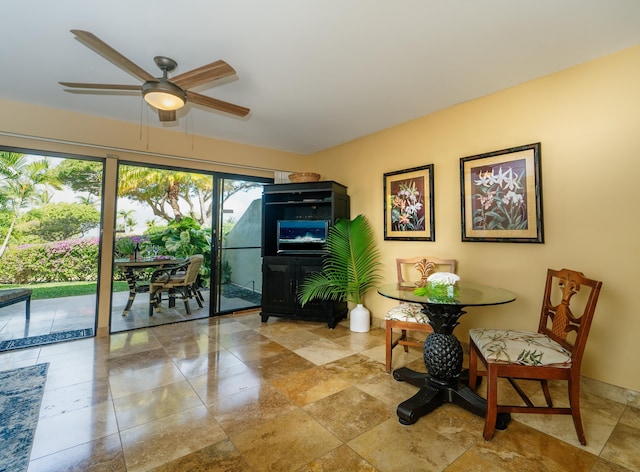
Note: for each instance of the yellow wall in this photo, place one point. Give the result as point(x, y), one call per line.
point(587, 119)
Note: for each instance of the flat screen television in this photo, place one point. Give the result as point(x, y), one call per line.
point(295, 236)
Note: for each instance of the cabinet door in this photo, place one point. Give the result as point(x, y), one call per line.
point(304, 267)
point(278, 283)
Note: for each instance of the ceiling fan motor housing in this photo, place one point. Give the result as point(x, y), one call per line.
point(163, 95)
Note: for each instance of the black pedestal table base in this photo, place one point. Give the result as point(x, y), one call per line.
point(433, 393)
point(443, 383)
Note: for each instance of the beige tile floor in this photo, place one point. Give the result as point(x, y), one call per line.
point(235, 394)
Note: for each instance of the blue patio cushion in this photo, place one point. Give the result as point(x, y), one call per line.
point(519, 347)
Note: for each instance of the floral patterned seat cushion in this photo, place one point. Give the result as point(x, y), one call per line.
point(520, 347)
point(411, 312)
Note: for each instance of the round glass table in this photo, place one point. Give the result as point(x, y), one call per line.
point(443, 355)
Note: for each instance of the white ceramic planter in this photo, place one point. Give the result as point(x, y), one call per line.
point(359, 319)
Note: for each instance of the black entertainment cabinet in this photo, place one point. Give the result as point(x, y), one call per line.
point(295, 219)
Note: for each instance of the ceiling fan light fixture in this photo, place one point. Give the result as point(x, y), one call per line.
point(164, 95)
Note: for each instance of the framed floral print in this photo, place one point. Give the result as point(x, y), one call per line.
point(501, 194)
point(408, 204)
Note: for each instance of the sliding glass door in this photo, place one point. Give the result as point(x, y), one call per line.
point(238, 244)
point(166, 215)
point(50, 220)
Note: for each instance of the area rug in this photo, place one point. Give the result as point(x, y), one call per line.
point(45, 339)
point(20, 397)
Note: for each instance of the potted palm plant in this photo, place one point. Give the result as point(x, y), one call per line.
point(349, 269)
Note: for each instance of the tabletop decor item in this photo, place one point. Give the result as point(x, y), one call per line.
point(501, 194)
point(440, 286)
point(408, 204)
point(349, 270)
point(297, 177)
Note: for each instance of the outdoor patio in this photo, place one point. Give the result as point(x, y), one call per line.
point(57, 315)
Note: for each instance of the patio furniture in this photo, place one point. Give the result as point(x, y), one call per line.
point(178, 280)
point(131, 271)
point(16, 295)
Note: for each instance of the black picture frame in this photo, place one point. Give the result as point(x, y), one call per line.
point(501, 196)
point(408, 204)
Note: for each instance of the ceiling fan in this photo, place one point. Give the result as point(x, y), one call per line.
point(163, 94)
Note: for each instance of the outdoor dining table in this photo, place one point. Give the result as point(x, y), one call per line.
point(444, 381)
point(131, 269)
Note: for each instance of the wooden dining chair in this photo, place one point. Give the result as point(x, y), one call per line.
point(178, 280)
point(411, 272)
point(554, 352)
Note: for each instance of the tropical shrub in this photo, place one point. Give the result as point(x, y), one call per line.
point(182, 238)
point(63, 261)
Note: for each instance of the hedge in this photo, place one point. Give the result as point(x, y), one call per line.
point(64, 261)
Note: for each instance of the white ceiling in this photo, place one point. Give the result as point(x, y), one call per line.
point(315, 73)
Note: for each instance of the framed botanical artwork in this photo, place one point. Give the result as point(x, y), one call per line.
point(408, 204)
point(501, 194)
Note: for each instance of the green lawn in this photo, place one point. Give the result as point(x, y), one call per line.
point(64, 289)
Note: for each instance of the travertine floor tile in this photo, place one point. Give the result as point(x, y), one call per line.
point(522, 448)
point(143, 407)
point(219, 383)
point(284, 444)
point(471, 462)
point(158, 442)
point(254, 351)
point(219, 457)
point(341, 459)
point(323, 351)
point(208, 363)
point(240, 338)
point(622, 447)
point(348, 413)
point(599, 417)
point(103, 454)
point(386, 389)
point(249, 408)
point(391, 446)
point(310, 385)
point(73, 428)
point(74, 397)
point(188, 348)
point(280, 365)
point(355, 369)
point(129, 381)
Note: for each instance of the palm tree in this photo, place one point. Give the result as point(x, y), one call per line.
point(42, 197)
point(88, 200)
point(21, 182)
point(127, 219)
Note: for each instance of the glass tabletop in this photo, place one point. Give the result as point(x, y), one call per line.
point(465, 294)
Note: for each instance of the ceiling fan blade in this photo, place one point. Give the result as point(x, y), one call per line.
point(100, 86)
point(167, 115)
point(102, 48)
point(209, 73)
point(216, 104)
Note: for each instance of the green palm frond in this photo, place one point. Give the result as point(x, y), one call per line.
point(351, 266)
